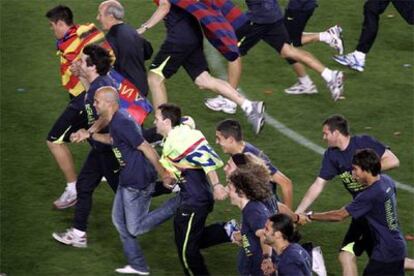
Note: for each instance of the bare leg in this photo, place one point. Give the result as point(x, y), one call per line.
point(299, 69)
point(301, 56)
point(348, 263)
point(64, 159)
point(310, 38)
point(234, 71)
point(158, 90)
point(206, 81)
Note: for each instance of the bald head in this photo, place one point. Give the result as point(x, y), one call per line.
point(106, 101)
point(113, 8)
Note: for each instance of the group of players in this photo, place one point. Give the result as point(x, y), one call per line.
point(121, 151)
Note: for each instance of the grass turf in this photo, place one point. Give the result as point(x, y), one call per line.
point(379, 102)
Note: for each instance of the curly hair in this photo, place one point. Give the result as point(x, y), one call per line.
point(252, 181)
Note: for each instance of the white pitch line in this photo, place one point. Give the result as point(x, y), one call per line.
point(215, 62)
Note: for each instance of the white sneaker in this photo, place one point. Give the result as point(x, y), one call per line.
point(130, 270)
point(336, 41)
point(231, 227)
point(256, 116)
point(336, 85)
point(220, 103)
point(351, 61)
point(318, 263)
point(71, 238)
point(66, 200)
point(299, 88)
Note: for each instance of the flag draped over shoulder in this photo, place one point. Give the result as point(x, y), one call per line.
point(70, 48)
point(187, 148)
point(130, 98)
point(218, 19)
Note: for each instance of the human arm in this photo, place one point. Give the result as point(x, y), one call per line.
point(220, 193)
point(286, 186)
point(335, 215)
point(162, 10)
point(267, 265)
point(296, 218)
point(313, 192)
point(389, 161)
point(153, 157)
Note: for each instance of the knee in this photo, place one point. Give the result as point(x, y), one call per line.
point(154, 79)
point(287, 51)
point(204, 81)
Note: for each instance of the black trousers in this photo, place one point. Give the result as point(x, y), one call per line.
point(372, 11)
point(97, 165)
point(191, 235)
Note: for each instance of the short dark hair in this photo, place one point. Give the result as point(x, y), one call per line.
point(368, 160)
point(230, 128)
point(284, 224)
point(99, 57)
point(62, 13)
point(172, 112)
point(337, 122)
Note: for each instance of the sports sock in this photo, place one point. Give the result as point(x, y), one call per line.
point(247, 106)
point(305, 80)
point(325, 37)
point(71, 186)
point(327, 74)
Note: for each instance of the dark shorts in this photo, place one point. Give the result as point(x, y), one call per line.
point(274, 34)
point(358, 238)
point(172, 56)
point(379, 268)
point(72, 119)
point(295, 22)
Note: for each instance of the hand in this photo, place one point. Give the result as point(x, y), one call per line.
point(268, 267)
point(79, 136)
point(220, 193)
point(168, 181)
point(237, 238)
point(142, 29)
point(303, 219)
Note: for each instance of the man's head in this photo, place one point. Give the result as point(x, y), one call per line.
point(106, 100)
point(167, 116)
point(60, 20)
point(228, 134)
point(110, 13)
point(249, 180)
point(365, 164)
point(95, 60)
point(335, 127)
point(279, 227)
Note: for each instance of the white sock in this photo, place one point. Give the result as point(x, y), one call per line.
point(359, 55)
point(79, 233)
point(305, 80)
point(71, 186)
point(327, 74)
point(247, 106)
point(325, 37)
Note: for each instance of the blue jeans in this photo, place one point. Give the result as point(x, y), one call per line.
point(131, 217)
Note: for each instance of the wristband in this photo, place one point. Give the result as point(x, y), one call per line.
point(266, 256)
point(309, 214)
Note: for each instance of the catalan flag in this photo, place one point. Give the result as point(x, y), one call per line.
point(218, 19)
point(70, 48)
point(130, 98)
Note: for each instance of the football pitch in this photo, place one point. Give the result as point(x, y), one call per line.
point(379, 102)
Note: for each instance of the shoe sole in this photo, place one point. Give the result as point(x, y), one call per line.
point(59, 239)
point(61, 207)
point(217, 109)
point(136, 273)
point(302, 93)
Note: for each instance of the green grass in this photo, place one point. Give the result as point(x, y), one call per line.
point(379, 102)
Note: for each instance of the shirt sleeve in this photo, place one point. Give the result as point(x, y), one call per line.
point(256, 220)
point(361, 205)
point(371, 142)
point(328, 168)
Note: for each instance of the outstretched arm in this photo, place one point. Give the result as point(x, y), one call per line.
point(336, 215)
point(311, 195)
